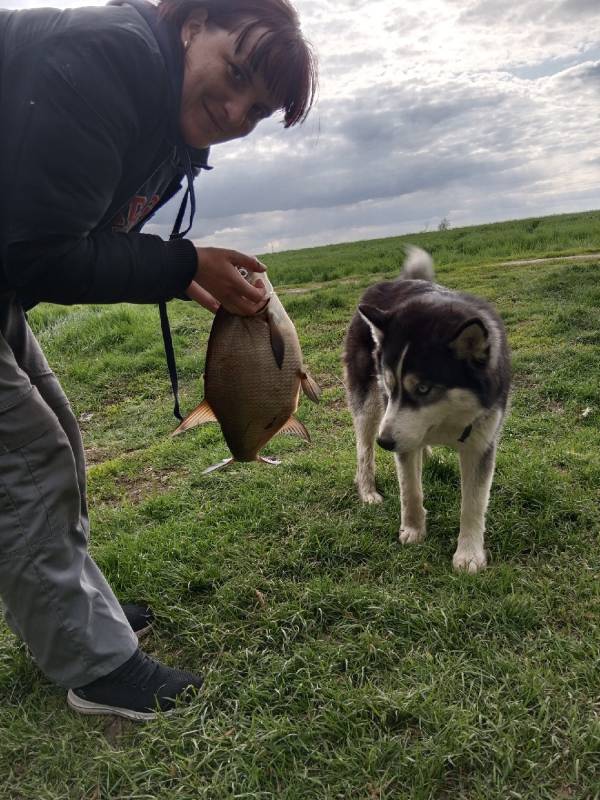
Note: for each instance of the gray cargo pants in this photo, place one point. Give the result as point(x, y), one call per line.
point(55, 598)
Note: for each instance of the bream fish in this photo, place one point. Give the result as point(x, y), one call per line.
point(252, 379)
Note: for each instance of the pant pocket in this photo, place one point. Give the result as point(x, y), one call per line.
point(39, 494)
point(24, 421)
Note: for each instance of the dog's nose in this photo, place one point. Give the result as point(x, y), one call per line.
point(387, 444)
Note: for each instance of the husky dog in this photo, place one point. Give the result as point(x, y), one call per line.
point(426, 365)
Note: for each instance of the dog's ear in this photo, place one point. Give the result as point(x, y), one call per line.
point(376, 319)
point(471, 341)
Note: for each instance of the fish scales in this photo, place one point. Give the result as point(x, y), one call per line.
point(250, 395)
point(253, 376)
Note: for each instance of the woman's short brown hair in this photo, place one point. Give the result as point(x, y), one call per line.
point(282, 56)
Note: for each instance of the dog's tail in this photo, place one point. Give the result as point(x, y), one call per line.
point(418, 264)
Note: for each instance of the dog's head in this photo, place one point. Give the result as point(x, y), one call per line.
point(433, 356)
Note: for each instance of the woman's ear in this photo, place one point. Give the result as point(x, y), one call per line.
point(194, 24)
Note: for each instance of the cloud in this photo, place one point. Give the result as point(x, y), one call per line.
point(475, 110)
point(583, 75)
point(578, 7)
point(399, 158)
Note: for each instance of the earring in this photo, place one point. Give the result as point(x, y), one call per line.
point(186, 44)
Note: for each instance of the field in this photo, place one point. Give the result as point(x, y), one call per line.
point(338, 663)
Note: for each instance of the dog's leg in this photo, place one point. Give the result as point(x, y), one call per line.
point(477, 472)
point(412, 520)
point(366, 422)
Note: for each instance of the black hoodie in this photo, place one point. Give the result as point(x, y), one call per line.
point(88, 151)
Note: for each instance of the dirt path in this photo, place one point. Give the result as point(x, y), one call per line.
point(583, 257)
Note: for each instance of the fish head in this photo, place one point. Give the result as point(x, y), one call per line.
point(253, 277)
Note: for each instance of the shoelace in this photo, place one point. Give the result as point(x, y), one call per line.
point(142, 671)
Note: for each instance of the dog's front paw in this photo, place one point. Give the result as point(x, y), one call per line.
point(370, 496)
point(470, 561)
point(367, 491)
point(411, 535)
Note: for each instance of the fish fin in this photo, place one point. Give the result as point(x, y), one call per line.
point(220, 465)
point(310, 387)
point(272, 461)
point(277, 342)
point(296, 428)
point(201, 414)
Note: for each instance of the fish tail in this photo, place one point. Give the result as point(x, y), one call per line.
point(220, 465)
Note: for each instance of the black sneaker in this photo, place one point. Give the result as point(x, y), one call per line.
point(139, 689)
point(139, 617)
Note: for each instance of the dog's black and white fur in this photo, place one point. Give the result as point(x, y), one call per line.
point(427, 365)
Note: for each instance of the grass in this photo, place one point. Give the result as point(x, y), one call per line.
point(339, 664)
point(476, 245)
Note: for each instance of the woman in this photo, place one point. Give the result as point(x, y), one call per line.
point(104, 113)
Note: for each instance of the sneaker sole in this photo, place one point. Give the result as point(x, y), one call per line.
point(86, 707)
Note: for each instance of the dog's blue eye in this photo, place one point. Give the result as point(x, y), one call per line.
point(422, 388)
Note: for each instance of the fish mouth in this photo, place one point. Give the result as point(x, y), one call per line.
point(245, 273)
point(262, 308)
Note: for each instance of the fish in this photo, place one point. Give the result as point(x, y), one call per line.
point(254, 372)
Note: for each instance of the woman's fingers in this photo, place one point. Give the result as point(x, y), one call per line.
point(219, 274)
point(250, 263)
point(201, 296)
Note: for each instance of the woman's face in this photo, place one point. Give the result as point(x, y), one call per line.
point(222, 98)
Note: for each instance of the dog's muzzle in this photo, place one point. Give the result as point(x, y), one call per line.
point(387, 444)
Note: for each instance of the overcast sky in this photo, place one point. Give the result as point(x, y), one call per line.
point(472, 110)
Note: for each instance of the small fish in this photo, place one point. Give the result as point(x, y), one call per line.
point(252, 379)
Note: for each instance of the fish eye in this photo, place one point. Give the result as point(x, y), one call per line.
point(422, 389)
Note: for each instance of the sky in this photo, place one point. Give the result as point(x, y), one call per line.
point(471, 111)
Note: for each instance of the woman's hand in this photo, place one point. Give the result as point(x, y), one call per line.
point(218, 282)
point(201, 296)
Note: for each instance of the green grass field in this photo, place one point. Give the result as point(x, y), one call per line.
point(338, 663)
